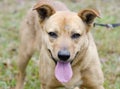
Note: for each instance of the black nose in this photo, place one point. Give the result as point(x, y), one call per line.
point(63, 55)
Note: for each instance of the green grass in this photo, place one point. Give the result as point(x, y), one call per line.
point(108, 42)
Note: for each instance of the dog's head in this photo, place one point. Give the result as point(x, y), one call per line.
point(65, 32)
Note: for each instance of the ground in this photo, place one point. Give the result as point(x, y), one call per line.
point(108, 41)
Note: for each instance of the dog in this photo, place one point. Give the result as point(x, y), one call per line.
point(68, 54)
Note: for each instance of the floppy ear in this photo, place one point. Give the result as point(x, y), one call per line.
point(89, 15)
point(44, 10)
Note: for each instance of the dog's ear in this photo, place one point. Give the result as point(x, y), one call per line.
point(88, 16)
point(44, 10)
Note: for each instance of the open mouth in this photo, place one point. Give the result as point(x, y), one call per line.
point(63, 70)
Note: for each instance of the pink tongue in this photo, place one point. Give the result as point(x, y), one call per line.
point(63, 71)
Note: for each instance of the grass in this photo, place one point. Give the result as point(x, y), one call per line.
point(108, 42)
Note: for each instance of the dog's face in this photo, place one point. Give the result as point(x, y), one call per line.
point(64, 35)
point(64, 32)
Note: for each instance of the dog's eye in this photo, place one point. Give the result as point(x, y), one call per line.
point(53, 34)
point(75, 36)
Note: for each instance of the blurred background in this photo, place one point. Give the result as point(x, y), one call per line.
point(107, 40)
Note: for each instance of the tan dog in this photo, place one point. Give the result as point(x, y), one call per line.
point(68, 55)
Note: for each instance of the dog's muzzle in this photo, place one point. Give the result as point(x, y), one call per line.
point(52, 56)
point(63, 55)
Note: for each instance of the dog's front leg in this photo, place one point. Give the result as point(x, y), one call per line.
point(96, 87)
point(77, 88)
point(43, 86)
point(25, 53)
